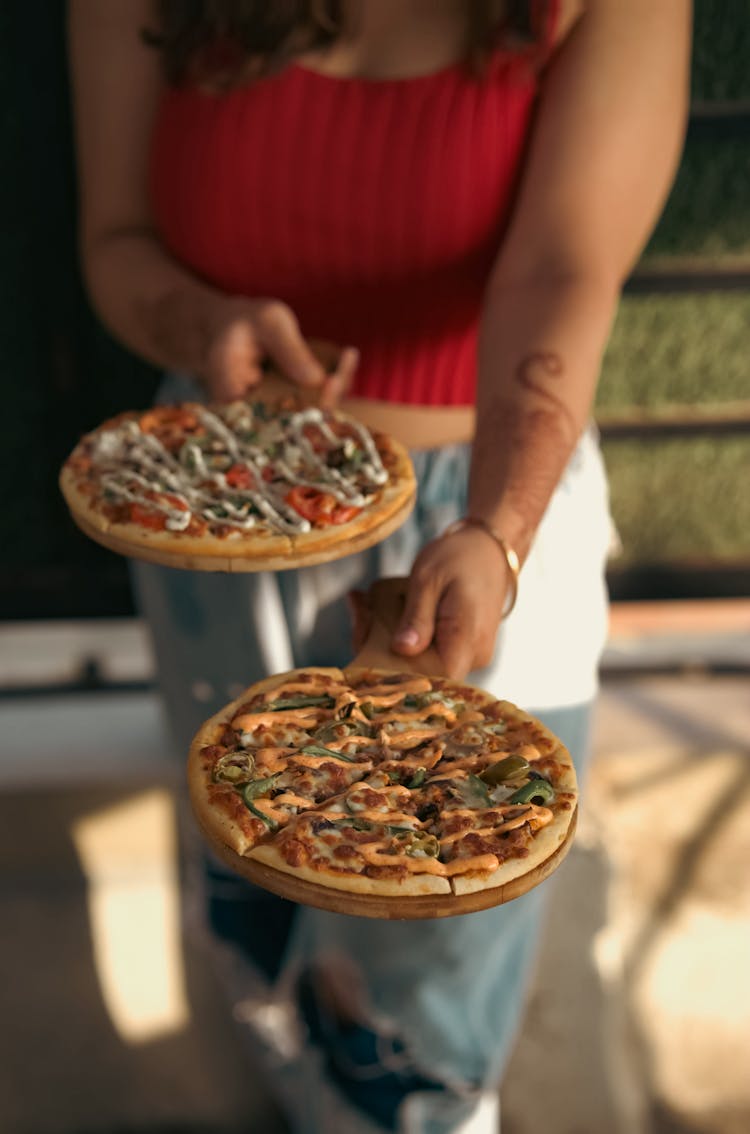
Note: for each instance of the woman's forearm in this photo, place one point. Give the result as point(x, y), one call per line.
point(156, 308)
point(540, 353)
point(175, 320)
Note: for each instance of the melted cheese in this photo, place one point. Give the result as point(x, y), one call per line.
point(392, 697)
point(483, 862)
point(535, 816)
point(408, 738)
point(133, 464)
point(247, 722)
point(399, 690)
point(418, 716)
point(290, 799)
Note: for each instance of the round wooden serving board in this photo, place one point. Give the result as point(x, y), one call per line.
point(345, 545)
point(272, 389)
point(390, 908)
point(379, 613)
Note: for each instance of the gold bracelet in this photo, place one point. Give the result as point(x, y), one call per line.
point(512, 561)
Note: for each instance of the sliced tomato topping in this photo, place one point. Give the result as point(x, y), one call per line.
point(147, 517)
point(168, 417)
point(175, 502)
point(307, 501)
point(167, 498)
point(343, 513)
point(321, 508)
point(239, 476)
point(171, 425)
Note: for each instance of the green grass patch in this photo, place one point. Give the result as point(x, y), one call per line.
point(708, 210)
point(677, 349)
point(681, 498)
point(721, 49)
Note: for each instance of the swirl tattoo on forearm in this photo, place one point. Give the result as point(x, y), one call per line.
point(531, 373)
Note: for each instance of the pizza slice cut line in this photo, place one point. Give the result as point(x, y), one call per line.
point(470, 822)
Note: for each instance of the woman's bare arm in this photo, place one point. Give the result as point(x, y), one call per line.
point(604, 150)
point(149, 301)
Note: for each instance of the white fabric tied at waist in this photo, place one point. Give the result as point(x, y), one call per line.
point(549, 648)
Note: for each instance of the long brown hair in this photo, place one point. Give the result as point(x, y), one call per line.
point(225, 42)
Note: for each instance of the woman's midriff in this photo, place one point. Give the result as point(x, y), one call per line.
point(416, 427)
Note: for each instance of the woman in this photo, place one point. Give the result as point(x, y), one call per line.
point(457, 189)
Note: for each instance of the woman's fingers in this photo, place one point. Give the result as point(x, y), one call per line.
point(454, 602)
point(233, 362)
point(457, 632)
point(337, 383)
point(280, 337)
point(417, 627)
point(244, 332)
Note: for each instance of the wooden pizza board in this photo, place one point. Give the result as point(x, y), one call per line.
point(379, 614)
point(272, 388)
point(348, 545)
point(390, 908)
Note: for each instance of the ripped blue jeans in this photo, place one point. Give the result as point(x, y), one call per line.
point(366, 1026)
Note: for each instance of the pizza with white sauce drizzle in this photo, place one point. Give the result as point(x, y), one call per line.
point(381, 783)
point(244, 486)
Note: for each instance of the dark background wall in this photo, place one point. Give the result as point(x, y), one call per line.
point(61, 373)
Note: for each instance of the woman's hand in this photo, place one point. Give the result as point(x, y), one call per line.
point(243, 333)
point(457, 593)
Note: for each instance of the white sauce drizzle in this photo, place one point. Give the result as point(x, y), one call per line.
point(134, 464)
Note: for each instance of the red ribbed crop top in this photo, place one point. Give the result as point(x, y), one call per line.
point(373, 208)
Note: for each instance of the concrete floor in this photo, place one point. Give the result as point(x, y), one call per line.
point(113, 1023)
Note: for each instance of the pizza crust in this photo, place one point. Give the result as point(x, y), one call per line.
point(213, 822)
point(215, 825)
point(229, 548)
point(411, 886)
point(79, 503)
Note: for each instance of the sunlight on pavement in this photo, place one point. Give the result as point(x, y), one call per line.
point(129, 856)
point(674, 823)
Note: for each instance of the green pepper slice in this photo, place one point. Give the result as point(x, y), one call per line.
point(532, 791)
point(304, 701)
point(418, 778)
point(320, 750)
point(420, 843)
point(475, 792)
point(234, 767)
point(269, 822)
point(511, 768)
point(259, 787)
